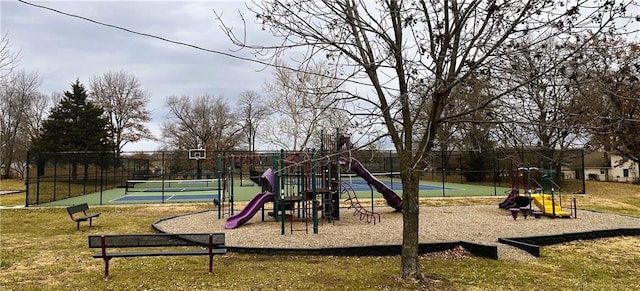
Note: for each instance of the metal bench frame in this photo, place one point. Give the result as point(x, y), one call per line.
point(72, 210)
point(210, 244)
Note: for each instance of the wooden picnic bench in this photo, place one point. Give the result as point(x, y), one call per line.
point(210, 244)
point(73, 210)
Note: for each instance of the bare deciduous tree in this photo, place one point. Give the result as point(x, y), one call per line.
point(8, 60)
point(610, 88)
point(536, 114)
point(21, 108)
point(303, 101)
point(412, 55)
point(537, 109)
point(40, 108)
point(253, 111)
point(202, 122)
point(124, 101)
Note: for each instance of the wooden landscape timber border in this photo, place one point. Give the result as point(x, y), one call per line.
point(476, 249)
point(479, 250)
point(533, 244)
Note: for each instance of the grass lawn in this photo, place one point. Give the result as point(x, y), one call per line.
point(40, 249)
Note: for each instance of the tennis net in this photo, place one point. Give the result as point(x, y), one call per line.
point(171, 185)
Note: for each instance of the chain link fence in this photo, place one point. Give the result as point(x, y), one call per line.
point(57, 176)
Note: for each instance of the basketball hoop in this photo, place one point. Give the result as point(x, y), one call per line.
point(197, 154)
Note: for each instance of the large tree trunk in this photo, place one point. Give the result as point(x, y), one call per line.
point(5, 167)
point(410, 267)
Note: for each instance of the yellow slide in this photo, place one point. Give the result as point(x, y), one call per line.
point(544, 202)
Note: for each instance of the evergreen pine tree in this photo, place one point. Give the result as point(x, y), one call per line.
point(75, 124)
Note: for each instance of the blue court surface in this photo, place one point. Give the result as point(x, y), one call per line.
point(166, 197)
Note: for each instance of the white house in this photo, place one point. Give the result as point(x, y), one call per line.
point(607, 166)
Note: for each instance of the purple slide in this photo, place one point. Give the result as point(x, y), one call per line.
point(508, 202)
point(392, 198)
point(249, 210)
point(255, 203)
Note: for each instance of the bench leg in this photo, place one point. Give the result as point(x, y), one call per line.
point(210, 249)
point(77, 225)
point(106, 267)
point(90, 221)
point(210, 264)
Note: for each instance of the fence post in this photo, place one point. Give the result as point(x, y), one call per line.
point(391, 167)
point(26, 196)
point(55, 176)
point(493, 165)
point(314, 191)
point(71, 164)
point(231, 184)
point(220, 185)
point(101, 175)
point(444, 173)
point(584, 184)
point(164, 173)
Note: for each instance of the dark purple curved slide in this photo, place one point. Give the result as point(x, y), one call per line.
point(508, 202)
point(249, 210)
point(255, 203)
point(392, 198)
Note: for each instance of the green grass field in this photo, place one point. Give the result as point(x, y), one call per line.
point(40, 249)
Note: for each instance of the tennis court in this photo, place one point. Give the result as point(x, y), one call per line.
point(177, 194)
point(209, 185)
point(359, 184)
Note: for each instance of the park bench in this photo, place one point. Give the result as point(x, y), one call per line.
point(81, 208)
point(209, 245)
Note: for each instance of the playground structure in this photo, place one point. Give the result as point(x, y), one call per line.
point(539, 188)
point(305, 186)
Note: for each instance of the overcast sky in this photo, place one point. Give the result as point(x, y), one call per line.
point(62, 48)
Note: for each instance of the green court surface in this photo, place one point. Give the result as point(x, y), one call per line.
point(249, 190)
